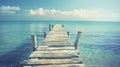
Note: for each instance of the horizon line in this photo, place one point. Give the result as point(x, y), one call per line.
point(61, 20)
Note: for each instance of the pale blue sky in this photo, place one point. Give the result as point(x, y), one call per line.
point(101, 10)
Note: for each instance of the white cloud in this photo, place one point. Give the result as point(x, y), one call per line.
point(8, 9)
point(81, 13)
point(75, 12)
point(32, 12)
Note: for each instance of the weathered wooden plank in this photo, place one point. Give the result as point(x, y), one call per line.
point(54, 32)
point(56, 37)
point(53, 55)
point(50, 61)
point(56, 50)
point(61, 65)
point(56, 43)
point(49, 48)
point(57, 40)
point(60, 51)
point(59, 56)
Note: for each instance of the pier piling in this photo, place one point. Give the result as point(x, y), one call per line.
point(49, 27)
point(77, 40)
point(34, 42)
point(68, 33)
point(52, 25)
point(45, 34)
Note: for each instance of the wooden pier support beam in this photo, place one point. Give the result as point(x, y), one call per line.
point(34, 42)
point(45, 34)
point(77, 40)
point(52, 25)
point(68, 33)
point(62, 25)
point(49, 27)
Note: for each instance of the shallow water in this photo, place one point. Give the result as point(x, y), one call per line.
point(99, 44)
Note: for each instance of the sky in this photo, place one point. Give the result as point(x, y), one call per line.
point(80, 10)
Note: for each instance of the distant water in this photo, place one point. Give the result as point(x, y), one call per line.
point(99, 44)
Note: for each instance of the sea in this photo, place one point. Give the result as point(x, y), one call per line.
point(99, 43)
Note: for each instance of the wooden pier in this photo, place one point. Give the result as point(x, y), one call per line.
point(55, 51)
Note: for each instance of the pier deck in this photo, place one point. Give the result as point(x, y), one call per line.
point(55, 51)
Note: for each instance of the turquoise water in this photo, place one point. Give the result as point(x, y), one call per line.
point(99, 44)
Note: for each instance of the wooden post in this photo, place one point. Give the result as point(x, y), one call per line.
point(44, 34)
point(34, 42)
point(62, 25)
point(68, 33)
point(77, 40)
point(20, 65)
point(49, 27)
point(52, 26)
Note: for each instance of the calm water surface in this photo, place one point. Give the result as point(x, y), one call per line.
point(99, 44)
